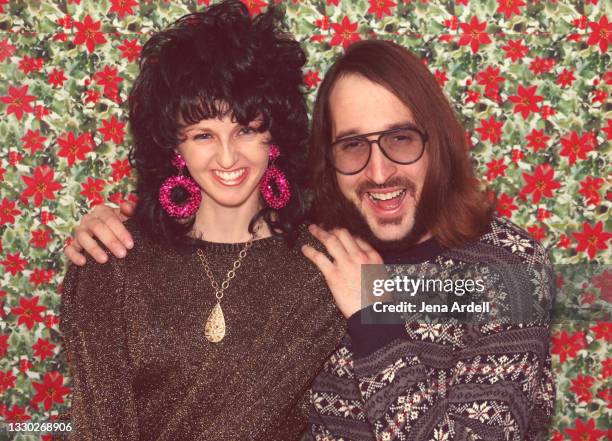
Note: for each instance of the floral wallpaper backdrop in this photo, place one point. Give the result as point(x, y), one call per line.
point(531, 82)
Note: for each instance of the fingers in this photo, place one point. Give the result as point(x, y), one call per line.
point(332, 243)
point(91, 227)
point(350, 244)
point(319, 259)
point(126, 210)
point(373, 255)
point(72, 252)
point(120, 239)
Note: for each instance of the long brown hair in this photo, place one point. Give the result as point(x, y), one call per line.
point(452, 206)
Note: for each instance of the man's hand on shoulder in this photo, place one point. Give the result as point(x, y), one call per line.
point(105, 224)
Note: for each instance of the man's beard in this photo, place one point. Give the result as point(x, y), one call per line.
point(353, 220)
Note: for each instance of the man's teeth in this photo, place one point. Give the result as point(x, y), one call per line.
point(386, 196)
point(230, 176)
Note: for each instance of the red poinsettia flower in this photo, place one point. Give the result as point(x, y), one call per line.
point(515, 50)
point(57, 78)
point(541, 65)
point(606, 368)
point(109, 79)
point(33, 140)
point(505, 205)
point(18, 101)
point(525, 101)
point(311, 78)
point(121, 169)
point(495, 168)
point(441, 77)
point(51, 390)
point(91, 190)
point(517, 155)
point(88, 32)
point(40, 238)
point(575, 147)
point(6, 50)
point(585, 432)
point(491, 80)
point(41, 276)
point(603, 331)
point(566, 78)
point(381, 7)
point(332, 2)
point(25, 365)
point(74, 148)
point(112, 130)
point(46, 217)
point(538, 232)
point(537, 140)
point(541, 183)
point(29, 312)
point(601, 34)
point(51, 320)
point(17, 414)
point(603, 282)
point(592, 239)
point(122, 7)
point(255, 6)
point(589, 188)
point(474, 34)
point(28, 64)
point(581, 386)
point(14, 263)
point(566, 346)
point(41, 185)
point(345, 33)
point(8, 212)
point(490, 129)
point(130, 49)
point(7, 380)
point(43, 349)
point(509, 7)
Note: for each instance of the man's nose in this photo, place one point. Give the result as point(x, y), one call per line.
point(227, 155)
point(380, 168)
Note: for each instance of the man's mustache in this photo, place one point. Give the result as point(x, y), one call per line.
point(398, 181)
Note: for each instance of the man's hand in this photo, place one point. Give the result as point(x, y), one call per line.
point(343, 275)
point(104, 223)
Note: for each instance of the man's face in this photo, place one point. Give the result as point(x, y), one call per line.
point(385, 193)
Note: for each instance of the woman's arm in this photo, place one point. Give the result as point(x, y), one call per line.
point(93, 325)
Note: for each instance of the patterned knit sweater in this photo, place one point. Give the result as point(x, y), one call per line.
point(455, 380)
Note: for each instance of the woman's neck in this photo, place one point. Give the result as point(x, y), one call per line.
point(216, 223)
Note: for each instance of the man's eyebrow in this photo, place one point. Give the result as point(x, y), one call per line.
point(355, 132)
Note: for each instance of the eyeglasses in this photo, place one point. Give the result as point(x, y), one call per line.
point(403, 145)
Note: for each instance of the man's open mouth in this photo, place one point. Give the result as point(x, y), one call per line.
point(386, 200)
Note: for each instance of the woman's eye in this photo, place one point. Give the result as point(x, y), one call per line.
point(247, 131)
point(202, 136)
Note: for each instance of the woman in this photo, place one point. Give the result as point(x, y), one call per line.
point(215, 324)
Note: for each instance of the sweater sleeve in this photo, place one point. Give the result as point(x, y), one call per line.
point(93, 326)
point(497, 387)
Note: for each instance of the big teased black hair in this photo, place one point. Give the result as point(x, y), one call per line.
point(206, 65)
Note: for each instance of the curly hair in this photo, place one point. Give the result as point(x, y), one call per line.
point(207, 65)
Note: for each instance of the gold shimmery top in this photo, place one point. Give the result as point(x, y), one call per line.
point(143, 370)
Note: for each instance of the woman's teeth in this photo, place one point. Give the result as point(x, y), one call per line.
point(230, 177)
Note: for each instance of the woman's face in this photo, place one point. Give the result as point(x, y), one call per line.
point(226, 159)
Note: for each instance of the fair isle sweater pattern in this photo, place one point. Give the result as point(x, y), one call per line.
point(449, 381)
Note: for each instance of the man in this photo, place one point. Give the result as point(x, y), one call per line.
point(394, 184)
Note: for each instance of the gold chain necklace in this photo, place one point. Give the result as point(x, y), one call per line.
point(214, 329)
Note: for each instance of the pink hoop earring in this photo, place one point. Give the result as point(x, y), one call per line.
point(192, 204)
point(274, 174)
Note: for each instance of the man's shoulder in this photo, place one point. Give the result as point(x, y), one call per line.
point(504, 240)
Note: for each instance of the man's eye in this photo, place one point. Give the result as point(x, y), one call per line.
point(352, 144)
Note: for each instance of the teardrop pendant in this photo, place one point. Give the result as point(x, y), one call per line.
point(214, 330)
